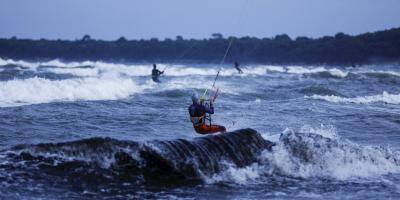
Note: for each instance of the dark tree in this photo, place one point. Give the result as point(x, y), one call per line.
point(179, 38)
point(121, 40)
point(86, 38)
point(217, 36)
point(340, 49)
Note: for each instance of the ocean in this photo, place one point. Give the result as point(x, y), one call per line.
point(103, 130)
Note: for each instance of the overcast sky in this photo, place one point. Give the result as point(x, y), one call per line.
point(134, 19)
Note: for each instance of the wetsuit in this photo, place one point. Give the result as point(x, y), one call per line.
point(198, 113)
point(238, 68)
point(155, 74)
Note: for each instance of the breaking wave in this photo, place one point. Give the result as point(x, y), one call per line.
point(237, 157)
point(308, 155)
point(26, 82)
point(76, 71)
point(152, 162)
point(96, 68)
point(334, 72)
point(382, 73)
point(36, 90)
point(315, 152)
point(385, 97)
point(39, 90)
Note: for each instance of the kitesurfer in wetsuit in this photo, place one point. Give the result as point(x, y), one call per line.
point(155, 74)
point(238, 68)
point(198, 112)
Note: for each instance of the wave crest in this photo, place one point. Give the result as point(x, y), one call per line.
point(238, 157)
point(39, 90)
point(156, 161)
point(385, 97)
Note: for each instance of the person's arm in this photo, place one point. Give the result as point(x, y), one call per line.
point(209, 109)
point(190, 109)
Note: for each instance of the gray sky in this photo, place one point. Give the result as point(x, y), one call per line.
point(134, 19)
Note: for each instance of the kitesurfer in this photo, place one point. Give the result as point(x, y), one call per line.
point(155, 74)
point(198, 116)
point(238, 68)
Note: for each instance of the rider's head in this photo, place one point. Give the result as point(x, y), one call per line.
point(154, 66)
point(195, 98)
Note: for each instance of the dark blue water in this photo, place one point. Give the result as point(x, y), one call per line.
point(114, 133)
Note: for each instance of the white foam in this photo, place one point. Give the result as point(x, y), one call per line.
point(179, 70)
point(333, 158)
point(392, 73)
point(83, 72)
point(280, 158)
point(302, 70)
point(140, 69)
point(323, 130)
point(20, 63)
point(338, 73)
point(107, 86)
point(306, 155)
point(385, 97)
point(130, 69)
point(237, 175)
point(275, 69)
point(39, 90)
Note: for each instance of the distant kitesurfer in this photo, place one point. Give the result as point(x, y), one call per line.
point(198, 116)
point(155, 74)
point(238, 68)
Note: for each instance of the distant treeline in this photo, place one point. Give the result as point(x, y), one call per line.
point(340, 49)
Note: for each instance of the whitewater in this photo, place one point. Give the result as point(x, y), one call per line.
point(100, 130)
